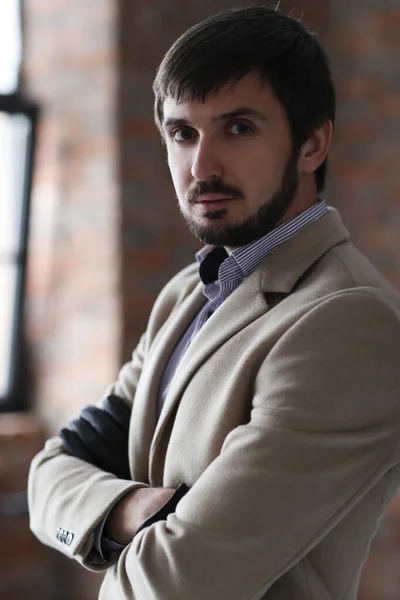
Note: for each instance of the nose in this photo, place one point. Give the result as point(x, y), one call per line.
point(206, 160)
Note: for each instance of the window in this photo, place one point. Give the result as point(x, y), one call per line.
point(17, 129)
point(10, 45)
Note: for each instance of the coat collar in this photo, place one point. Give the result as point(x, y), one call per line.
point(280, 270)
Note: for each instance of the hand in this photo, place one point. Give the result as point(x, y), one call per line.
point(131, 510)
point(100, 436)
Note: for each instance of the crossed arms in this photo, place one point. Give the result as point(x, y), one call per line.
point(99, 436)
point(282, 481)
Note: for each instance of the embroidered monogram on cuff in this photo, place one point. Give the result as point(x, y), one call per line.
point(65, 537)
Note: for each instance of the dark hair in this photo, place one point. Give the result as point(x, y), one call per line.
point(225, 47)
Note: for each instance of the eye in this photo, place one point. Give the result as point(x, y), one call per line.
point(240, 128)
point(183, 134)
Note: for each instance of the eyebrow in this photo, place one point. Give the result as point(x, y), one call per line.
point(243, 111)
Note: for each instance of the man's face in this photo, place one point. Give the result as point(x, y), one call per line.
point(232, 162)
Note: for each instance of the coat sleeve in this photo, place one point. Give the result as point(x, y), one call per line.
point(324, 428)
point(69, 497)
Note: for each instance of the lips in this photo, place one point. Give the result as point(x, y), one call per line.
point(213, 198)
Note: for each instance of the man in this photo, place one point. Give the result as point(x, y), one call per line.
point(260, 412)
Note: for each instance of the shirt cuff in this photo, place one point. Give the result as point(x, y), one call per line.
point(168, 508)
point(105, 550)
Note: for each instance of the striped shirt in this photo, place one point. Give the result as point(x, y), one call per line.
point(222, 274)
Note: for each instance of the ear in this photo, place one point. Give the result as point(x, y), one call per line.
point(315, 149)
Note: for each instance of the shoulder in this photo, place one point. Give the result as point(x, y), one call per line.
point(361, 311)
point(334, 375)
point(341, 354)
point(355, 319)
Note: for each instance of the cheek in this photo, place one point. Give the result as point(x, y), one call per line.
point(267, 167)
point(180, 173)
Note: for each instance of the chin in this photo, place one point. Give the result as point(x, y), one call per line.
point(218, 234)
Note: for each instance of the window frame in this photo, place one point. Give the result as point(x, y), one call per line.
point(17, 397)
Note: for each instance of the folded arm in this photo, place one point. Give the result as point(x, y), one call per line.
point(324, 428)
point(92, 459)
point(86, 467)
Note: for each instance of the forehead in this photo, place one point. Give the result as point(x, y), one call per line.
point(250, 91)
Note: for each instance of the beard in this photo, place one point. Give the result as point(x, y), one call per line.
point(255, 226)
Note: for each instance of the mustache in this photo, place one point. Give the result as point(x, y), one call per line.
point(213, 186)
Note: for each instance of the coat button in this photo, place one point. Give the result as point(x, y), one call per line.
point(69, 538)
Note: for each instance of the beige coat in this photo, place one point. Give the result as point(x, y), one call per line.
point(283, 416)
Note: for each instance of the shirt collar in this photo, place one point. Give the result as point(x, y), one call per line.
point(215, 263)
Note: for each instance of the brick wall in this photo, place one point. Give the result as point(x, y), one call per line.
point(364, 44)
point(21, 556)
point(74, 312)
point(74, 272)
point(106, 233)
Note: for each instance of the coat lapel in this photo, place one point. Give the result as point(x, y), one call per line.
point(282, 269)
point(242, 307)
point(144, 410)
